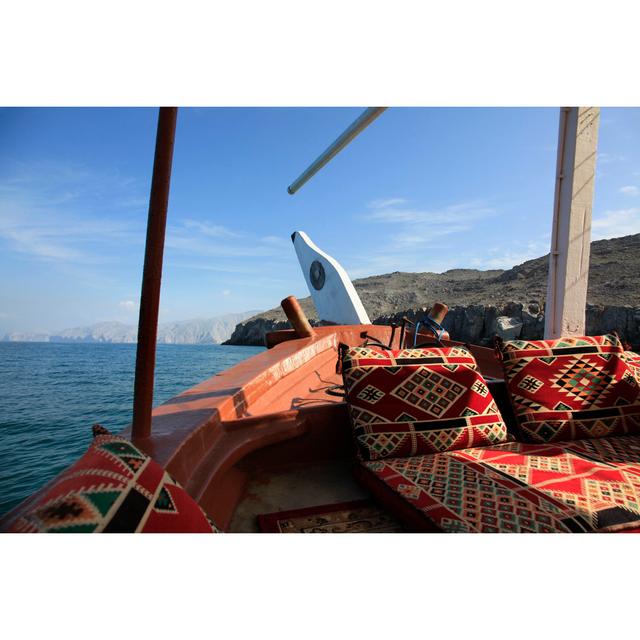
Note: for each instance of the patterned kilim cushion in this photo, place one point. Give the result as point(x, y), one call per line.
point(571, 388)
point(113, 488)
point(633, 362)
point(585, 485)
point(418, 401)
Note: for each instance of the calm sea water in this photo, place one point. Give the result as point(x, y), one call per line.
point(51, 394)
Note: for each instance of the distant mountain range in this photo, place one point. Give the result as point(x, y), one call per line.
point(199, 331)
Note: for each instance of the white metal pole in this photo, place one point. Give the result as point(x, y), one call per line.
point(357, 126)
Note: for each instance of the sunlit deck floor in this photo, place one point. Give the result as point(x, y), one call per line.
point(296, 488)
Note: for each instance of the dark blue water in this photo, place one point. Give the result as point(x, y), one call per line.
point(51, 394)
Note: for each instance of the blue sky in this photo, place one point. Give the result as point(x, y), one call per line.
point(420, 190)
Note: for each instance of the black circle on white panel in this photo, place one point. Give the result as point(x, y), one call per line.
point(317, 275)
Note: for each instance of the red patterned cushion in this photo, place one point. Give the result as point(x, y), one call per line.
point(418, 401)
point(633, 362)
point(113, 488)
point(580, 486)
point(570, 388)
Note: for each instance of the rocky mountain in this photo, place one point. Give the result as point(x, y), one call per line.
point(99, 332)
point(478, 299)
point(199, 331)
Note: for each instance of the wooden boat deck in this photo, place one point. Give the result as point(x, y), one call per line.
point(297, 487)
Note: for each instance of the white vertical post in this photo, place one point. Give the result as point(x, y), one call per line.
point(571, 236)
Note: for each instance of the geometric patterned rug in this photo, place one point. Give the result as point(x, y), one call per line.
point(361, 516)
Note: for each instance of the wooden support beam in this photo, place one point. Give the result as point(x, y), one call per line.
point(297, 317)
point(571, 235)
point(152, 274)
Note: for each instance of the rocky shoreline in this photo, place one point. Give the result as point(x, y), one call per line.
point(478, 324)
point(508, 303)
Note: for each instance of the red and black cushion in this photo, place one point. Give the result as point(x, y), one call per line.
point(580, 486)
point(113, 488)
point(633, 362)
point(571, 388)
point(412, 401)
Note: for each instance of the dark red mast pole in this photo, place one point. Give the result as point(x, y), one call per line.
point(152, 274)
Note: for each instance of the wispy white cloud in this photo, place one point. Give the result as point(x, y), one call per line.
point(60, 213)
point(199, 239)
point(420, 238)
point(610, 224)
point(630, 190)
point(463, 213)
point(227, 267)
point(61, 236)
point(128, 305)
point(61, 183)
point(132, 203)
point(57, 219)
point(383, 203)
point(36, 241)
point(421, 227)
point(511, 254)
point(412, 231)
point(377, 263)
point(210, 230)
point(277, 241)
point(43, 175)
point(609, 158)
point(615, 223)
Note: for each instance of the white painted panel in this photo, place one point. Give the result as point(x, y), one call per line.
point(334, 296)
